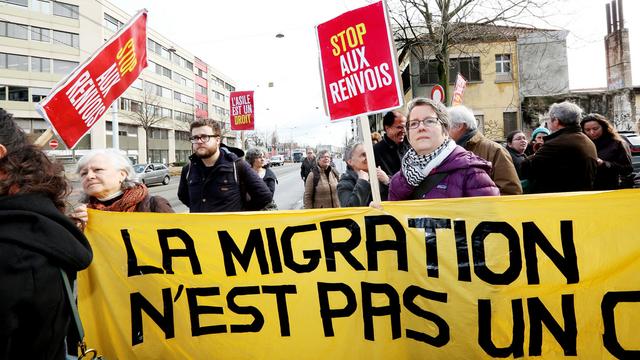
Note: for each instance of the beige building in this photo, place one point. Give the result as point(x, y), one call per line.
point(42, 41)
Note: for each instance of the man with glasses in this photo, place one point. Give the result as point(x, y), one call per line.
point(389, 151)
point(216, 180)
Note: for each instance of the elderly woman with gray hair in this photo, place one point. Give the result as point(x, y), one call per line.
point(106, 181)
point(435, 167)
point(255, 158)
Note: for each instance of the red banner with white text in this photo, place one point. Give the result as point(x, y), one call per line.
point(79, 101)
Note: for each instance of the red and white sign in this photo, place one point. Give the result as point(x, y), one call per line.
point(242, 106)
point(358, 63)
point(461, 84)
point(53, 144)
point(78, 101)
point(437, 93)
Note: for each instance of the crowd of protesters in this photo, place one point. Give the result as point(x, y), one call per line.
point(430, 152)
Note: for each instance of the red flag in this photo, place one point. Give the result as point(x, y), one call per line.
point(78, 101)
point(358, 63)
point(461, 84)
point(242, 104)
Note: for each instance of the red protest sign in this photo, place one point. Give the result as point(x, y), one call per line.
point(53, 144)
point(358, 63)
point(78, 101)
point(241, 105)
point(458, 92)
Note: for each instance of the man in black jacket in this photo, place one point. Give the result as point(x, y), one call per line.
point(567, 161)
point(307, 164)
point(216, 180)
point(391, 149)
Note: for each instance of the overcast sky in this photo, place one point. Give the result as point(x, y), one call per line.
point(238, 38)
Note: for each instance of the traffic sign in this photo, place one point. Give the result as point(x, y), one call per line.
point(53, 144)
point(437, 93)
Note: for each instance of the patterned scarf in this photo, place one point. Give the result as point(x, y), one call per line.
point(127, 203)
point(417, 167)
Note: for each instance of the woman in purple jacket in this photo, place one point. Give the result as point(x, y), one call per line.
point(444, 169)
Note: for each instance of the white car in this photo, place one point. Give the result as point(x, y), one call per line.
point(277, 160)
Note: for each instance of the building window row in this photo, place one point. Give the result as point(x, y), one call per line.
point(157, 133)
point(220, 96)
point(168, 54)
point(21, 93)
point(468, 67)
point(173, 75)
point(66, 10)
point(21, 31)
point(112, 23)
point(154, 89)
point(183, 98)
point(183, 116)
point(221, 83)
point(182, 80)
point(220, 111)
point(179, 60)
point(38, 64)
point(200, 105)
point(44, 6)
point(182, 135)
point(201, 89)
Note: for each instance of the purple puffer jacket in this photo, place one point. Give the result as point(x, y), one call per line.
point(468, 176)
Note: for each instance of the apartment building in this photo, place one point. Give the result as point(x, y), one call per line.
point(42, 41)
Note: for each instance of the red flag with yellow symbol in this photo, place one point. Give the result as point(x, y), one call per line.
point(79, 100)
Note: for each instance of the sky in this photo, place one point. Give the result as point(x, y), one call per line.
point(239, 39)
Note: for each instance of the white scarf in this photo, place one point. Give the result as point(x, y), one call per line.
point(417, 167)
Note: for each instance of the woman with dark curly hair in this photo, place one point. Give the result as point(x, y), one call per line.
point(36, 241)
point(614, 160)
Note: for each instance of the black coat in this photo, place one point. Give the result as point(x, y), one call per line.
point(616, 162)
point(271, 180)
point(566, 162)
point(389, 155)
point(306, 167)
point(354, 192)
point(36, 240)
point(220, 191)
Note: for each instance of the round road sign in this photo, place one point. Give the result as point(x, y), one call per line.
point(437, 93)
point(53, 144)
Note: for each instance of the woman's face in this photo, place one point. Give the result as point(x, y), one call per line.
point(539, 138)
point(425, 130)
point(519, 143)
point(592, 129)
point(324, 160)
point(100, 178)
point(258, 162)
point(358, 159)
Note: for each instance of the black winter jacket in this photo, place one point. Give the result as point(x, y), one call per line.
point(220, 191)
point(354, 192)
point(389, 155)
point(36, 240)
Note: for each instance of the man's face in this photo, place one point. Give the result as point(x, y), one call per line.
point(310, 155)
point(456, 131)
point(553, 125)
point(205, 143)
point(396, 131)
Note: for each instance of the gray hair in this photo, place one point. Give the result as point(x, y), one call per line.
point(118, 160)
point(566, 112)
point(349, 150)
point(322, 152)
point(440, 110)
point(461, 114)
point(252, 154)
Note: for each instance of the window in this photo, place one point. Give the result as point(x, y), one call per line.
point(480, 120)
point(510, 122)
point(182, 135)
point(468, 67)
point(16, 2)
point(182, 116)
point(166, 113)
point(182, 156)
point(230, 87)
point(40, 34)
point(12, 30)
point(429, 72)
point(159, 133)
point(112, 23)
point(66, 38)
point(63, 67)
point(39, 64)
point(38, 94)
point(43, 6)
point(18, 93)
point(201, 73)
point(130, 105)
point(14, 62)
point(201, 89)
point(158, 156)
point(137, 84)
point(66, 10)
point(503, 63)
point(406, 80)
point(3, 93)
point(200, 105)
point(183, 98)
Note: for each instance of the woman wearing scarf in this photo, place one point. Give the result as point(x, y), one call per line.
point(435, 167)
point(106, 181)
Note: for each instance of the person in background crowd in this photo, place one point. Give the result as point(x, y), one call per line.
point(435, 167)
point(389, 151)
point(567, 160)
point(216, 179)
point(516, 145)
point(320, 188)
point(307, 164)
point(375, 137)
point(464, 131)
point(37, 240)
point(256, 158)
point(537, 139)
point(106, 181)
point(614, 161)
point(354, 188)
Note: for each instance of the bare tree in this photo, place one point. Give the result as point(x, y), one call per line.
point(432, 28)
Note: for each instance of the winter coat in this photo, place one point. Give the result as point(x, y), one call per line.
point(270, 179)
point(388, 155)
point(503, 172)
point(516, 158)
point(353, 192)
point(325, 194)
point(36, 240)
point(305, 168)
point(467, 176)
point(616, 163)
point(220, 191)
point(566, 162)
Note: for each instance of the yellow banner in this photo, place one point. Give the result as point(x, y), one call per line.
point(538, 276)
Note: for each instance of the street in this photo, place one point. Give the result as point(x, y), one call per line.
point(288, 196)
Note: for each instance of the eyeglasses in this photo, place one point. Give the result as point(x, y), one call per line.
point(202, 138)
point(428, 122)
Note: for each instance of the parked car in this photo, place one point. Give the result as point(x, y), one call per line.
point(151, 174)
point(633, 140)
point(277, 160)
